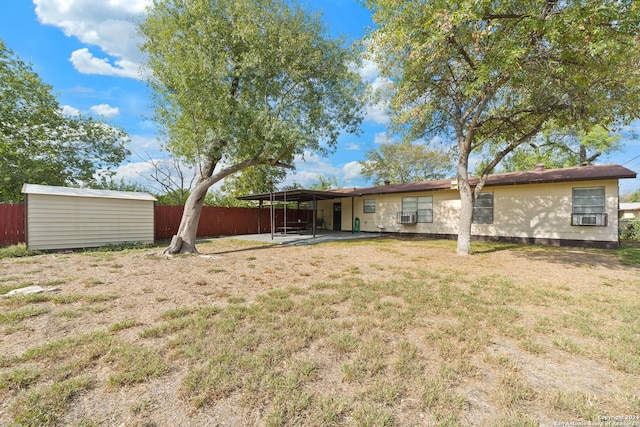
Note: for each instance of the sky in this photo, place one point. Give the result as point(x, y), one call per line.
point(87, 51)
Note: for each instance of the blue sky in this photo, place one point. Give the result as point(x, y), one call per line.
point(87, 50)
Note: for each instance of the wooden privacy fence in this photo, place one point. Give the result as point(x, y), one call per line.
point(11, 224)
point(214, 221)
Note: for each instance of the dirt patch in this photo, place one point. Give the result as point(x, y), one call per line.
point(371, 332)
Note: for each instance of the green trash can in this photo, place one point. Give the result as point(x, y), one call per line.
point(356, 225)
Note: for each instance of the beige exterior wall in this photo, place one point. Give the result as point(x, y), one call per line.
point(66, 222)
point(540, 211)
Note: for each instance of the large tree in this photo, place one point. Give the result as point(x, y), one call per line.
point(405, 161)
point(38, 144)
point(498, 72)
point(240, 83)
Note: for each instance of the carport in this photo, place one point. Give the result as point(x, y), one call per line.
point(298, 196)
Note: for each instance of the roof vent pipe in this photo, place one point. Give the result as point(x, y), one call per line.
point(539, 167)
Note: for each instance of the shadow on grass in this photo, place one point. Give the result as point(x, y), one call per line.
point(582, 257)
point(627, 255)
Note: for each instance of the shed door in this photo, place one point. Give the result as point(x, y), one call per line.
point(337, 216)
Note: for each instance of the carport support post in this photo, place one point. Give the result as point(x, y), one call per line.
point(314, 216)
point(271, 212)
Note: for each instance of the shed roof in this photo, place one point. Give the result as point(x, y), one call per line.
point(84, 192)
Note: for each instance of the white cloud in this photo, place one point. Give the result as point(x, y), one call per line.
point(69, 111)
point(105, 110)
point(132, 172)
point(369, 70)
point(377, 113)
point(106, 24)
point(143, 143)
point(352, 147)
point(307, 171)
point(315, 164)
point(86, 63)
point(436, 140)
point(303, 177)
point(308, 167)
point(352, 171)
point(381, 138)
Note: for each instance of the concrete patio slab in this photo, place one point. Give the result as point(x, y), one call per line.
point(304, 239)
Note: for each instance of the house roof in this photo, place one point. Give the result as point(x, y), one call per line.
point(630, 206)
point(84, 192)
point(537, 176)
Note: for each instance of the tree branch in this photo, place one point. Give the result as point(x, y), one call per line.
point(500, 155)
point(462, 52)
point(492, 16)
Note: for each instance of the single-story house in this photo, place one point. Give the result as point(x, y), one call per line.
point(564, 207)
point(629, 211)
point(69, 218)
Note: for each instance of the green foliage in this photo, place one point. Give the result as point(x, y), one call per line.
point(631, 198)
point(508, 68)
point(110, 184)
point(256, 180)
point(175, 197)
point(631, 231)
point(324, 183)
point(247, 81)
point(38, 144)
point(406, 162)
point(561, 149)
point(225, 200)
point(16, 251)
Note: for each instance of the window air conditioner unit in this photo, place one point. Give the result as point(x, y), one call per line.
point(407, 217)
point(588, 220)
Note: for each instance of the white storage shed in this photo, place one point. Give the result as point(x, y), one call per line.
point(70, 218)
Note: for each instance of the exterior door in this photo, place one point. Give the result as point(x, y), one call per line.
point(337, 216)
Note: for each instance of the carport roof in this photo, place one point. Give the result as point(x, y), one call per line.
point(299, 195)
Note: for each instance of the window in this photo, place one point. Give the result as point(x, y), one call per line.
point(425, 209)
point(369, 206)
point(483, 209)
point(418, 209)
point(588, 207)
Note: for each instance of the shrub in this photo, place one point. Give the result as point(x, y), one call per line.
point(16, 251)
point(631, 231)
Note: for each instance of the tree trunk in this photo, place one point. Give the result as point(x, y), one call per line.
point(184, 242)
point(466, 213)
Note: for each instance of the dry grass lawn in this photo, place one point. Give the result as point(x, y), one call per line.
point(376, 332)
